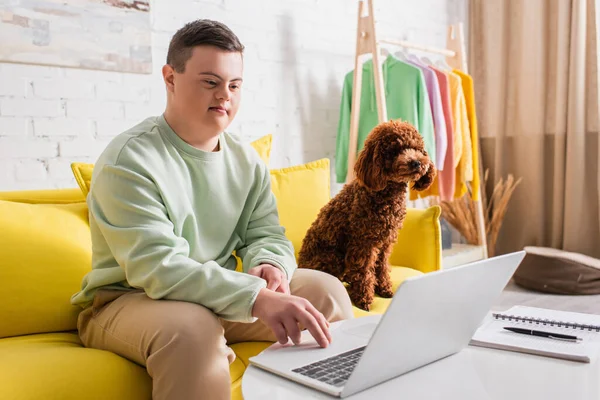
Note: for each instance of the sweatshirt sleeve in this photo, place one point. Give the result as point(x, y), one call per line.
point(131, 215)
point(343, 131)
point(265, 241)
point(425, 127)
point(439, 123)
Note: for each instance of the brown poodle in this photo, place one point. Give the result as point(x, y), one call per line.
point(354, 233)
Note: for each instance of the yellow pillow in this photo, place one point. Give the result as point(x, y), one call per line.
point(83, 172)
point(45, 251)
point(83, 175)
point(419, 241)
point(263, 147)
point(301, 191)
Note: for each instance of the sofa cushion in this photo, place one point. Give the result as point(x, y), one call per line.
point(301, 191)
point(379, 305)
point(44, 196)
point(56, 366)
point(45, 252)
point(245, 350)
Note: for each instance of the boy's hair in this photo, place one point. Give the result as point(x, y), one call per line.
point(198, 33)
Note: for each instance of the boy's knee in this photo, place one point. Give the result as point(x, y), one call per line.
point(326, 292)
point(193, 319)
point(194, 329)
point(188, 354)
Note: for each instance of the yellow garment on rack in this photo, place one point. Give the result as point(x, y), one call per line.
point(469, 93)
point(462, 135)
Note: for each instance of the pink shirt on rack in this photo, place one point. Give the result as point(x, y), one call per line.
point(447, 176)
point(435, 102)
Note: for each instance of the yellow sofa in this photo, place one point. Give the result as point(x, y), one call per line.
point(45, 249)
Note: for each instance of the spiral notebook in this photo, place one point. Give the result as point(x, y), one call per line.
point(585, 326)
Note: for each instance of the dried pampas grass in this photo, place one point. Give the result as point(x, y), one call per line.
point(461, 213)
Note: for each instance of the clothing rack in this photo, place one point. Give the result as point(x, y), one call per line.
point(367, 43)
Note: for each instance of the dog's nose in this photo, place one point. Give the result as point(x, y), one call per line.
point(415, 164)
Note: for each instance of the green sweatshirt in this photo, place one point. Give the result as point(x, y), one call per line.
point(406, 98)
point(165, 217)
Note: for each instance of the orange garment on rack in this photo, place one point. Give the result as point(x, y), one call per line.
point(469, 93)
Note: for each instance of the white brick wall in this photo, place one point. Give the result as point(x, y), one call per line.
point(16, 107)
point(23, 148)
point(31, 170)
point(71, 127)
point(62, 88)
point(14, 126)
point(13, 87)
point(297, 54)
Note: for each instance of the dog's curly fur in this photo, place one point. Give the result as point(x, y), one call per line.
point(354, 233)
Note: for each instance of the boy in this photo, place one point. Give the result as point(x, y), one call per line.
point(171, 199)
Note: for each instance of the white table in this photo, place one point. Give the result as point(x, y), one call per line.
point(474, 373)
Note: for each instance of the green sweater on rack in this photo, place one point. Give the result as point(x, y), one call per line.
point(406, 98)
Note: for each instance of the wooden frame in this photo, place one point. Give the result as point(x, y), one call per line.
point(367, 43)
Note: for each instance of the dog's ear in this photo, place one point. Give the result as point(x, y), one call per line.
point(427, 179)
point(368, 169)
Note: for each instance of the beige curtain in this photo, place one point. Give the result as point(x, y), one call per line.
point(535, 68)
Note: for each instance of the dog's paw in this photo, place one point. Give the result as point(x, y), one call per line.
point(384, 292)
point(362, 304)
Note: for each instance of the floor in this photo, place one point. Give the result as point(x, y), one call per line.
point(516, 295)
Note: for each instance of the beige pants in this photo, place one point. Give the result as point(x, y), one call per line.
point(184, 346)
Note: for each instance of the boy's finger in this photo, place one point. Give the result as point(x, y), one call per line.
point(292, 330)
point(321, 320)
point(272, 284)
point(280, 332)
point(284, 287)
point(325, 327)
point(280, 289)
point(310, 323)
point(273, 281)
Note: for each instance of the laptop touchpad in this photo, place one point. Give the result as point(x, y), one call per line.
point(363, 330)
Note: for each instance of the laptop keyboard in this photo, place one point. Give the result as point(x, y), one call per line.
point(333, 370)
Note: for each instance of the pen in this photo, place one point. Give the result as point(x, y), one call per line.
point(550, 335)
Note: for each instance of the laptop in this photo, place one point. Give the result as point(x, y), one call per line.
point(430, 317)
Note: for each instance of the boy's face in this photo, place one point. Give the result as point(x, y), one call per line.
point(207, 94)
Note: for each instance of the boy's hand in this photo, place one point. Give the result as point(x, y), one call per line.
point(283, 313)
point(276, 279)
